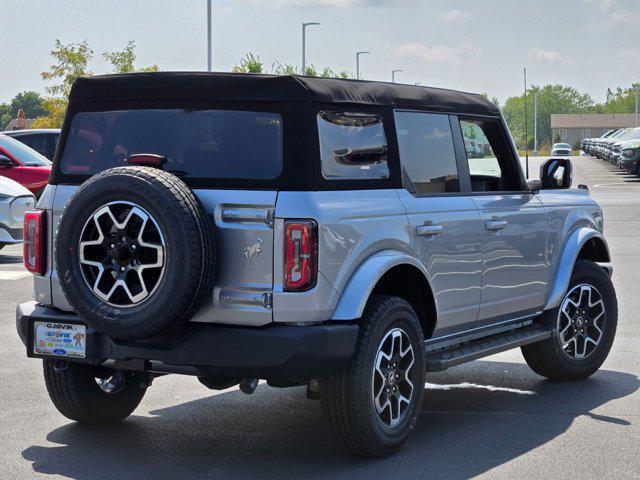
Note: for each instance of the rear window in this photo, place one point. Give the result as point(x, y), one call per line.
point(205, 144)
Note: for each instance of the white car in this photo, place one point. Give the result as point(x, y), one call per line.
point(15, 200)
point(561, 149)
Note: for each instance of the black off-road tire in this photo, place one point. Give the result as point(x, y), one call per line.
point(347, 396)
point(548, 359)
point(74, 391)
point(189, 252)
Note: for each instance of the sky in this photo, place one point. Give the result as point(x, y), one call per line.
point(477, 46)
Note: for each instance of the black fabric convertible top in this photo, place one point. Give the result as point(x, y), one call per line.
point(268, 88)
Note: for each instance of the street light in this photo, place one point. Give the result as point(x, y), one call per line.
point(209, 35)
point(304, 44)
point(358, 63)
point(535, 123)
point(393, 75)
point(635, 93)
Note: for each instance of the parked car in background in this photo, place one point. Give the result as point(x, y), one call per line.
point(44, 141)
point(561, 149)
point(630, 157)
point(23, 165)
point(15, 200)
point(614, 155)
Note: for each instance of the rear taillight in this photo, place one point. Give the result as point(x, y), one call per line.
point(300, 255)
point(34, 241)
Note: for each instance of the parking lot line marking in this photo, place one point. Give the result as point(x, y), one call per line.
point(5, 275)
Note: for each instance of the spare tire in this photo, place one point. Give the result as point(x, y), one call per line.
point(135, 252)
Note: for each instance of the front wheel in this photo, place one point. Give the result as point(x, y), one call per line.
point(89, 394)
point(584, 327)
point(374, 402)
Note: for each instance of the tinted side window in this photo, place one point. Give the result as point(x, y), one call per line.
point(427, 154)
point(353, 146)
point(37, 142)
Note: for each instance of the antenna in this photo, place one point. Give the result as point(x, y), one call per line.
point(526, 126)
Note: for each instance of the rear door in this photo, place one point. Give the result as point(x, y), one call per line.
point(244, 260)
point(514, 225)
point(444, 222)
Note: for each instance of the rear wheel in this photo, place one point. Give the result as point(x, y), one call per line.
point(374, 402)
point(585, 326)
point(89, 394)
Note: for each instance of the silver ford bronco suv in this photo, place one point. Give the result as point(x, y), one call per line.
point(349, 236)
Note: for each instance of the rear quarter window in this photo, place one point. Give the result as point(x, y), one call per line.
point(353, 146)
point(207, 144)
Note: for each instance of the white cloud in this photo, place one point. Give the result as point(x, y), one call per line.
point(454, 16)
point(546, 56)
point(436, 53)
point(325, 3)
point(609, 13)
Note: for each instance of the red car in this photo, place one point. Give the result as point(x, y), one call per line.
point(23, 165)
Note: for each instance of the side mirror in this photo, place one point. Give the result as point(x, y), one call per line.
point(5, 162)
point(556, 173)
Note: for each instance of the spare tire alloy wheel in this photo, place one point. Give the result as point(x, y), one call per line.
point(581, 321)
point(135, 253)
point(122, 253)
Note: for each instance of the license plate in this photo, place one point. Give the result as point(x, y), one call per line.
point(60, 339)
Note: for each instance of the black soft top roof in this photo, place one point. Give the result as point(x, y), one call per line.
point(266, 88)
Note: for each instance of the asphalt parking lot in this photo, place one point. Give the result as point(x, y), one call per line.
point(489, 419)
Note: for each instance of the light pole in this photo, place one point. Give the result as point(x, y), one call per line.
point(358, 63)
point(535, 123)
point(393, 75)
point(209, 35)
point(304, 44)
point(635, 93)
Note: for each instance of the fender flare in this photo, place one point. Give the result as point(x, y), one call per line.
point(564, 268)
point(356, 294)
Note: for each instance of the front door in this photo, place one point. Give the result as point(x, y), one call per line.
point(444, 224)
point(514, 268)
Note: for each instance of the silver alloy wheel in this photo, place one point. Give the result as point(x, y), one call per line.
point(122, 254)
point(581, 321)
point(391, 383)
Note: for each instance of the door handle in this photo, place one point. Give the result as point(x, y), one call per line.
point(495, 225)
point(429, 230)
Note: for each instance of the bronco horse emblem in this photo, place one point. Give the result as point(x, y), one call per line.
point(250, 253)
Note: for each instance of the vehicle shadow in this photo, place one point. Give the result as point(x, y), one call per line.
point(475, 418)
point(10, 259)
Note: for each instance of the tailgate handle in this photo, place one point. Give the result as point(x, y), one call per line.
point(242, 215)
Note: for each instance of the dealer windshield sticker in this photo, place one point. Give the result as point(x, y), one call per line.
point(60, 339)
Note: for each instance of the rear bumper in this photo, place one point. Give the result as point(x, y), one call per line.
point(272, 352)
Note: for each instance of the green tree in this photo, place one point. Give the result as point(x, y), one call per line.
point(5, 115)
point(619, 101)
point(250, 63)
point(124, 61)
point(558, 99)
point(29, 102)
point(71, 62)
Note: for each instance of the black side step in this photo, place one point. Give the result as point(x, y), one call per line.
point(466, 352)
